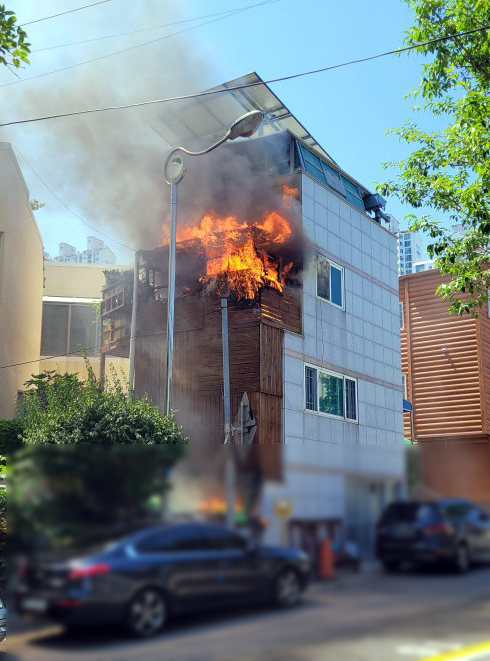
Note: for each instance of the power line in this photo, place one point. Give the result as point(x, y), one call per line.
point(245, 85)
point(153, 27)
point(156, 331)
point(146, 43)
point(92, 227)
point(70, 11)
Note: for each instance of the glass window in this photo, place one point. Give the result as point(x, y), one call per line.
point(220, 539)
point(66, 328)
point(331, 397)
point(336, 285)
point(82, 328)
point(332, 394)
point(329, 281)
point(54, 336)
point(186, 538)
point(402, 320)
point(350, 399)
point(311, 389)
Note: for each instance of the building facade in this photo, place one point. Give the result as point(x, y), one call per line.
point(96, 253)
point(342, 435)
point(71, 320)
point(21, 283)
point(410, 250)
point(445, 363)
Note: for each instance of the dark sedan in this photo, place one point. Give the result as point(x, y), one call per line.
point(453, 531)
point(151, 574)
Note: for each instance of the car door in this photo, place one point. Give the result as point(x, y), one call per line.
point(179, 558)
point(480, 522)
point(239, 568)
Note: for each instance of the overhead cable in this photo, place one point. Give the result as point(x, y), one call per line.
point(245, 85)
point(69, 11)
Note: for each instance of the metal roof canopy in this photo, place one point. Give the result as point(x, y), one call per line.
point(205, 118)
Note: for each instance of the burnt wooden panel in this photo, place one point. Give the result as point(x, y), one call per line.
point(483, 336)
point(271, 379)
point(281, 309)
point(443, 385)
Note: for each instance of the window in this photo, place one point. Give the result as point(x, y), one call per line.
point(330, 393)
point(172, 540)
point(220, 539)
point(402, 317)
point(68, 327)
point(326, 174)
point(404, 386)
point(330, 281)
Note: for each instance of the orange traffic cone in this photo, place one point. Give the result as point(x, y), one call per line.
point(326, 564)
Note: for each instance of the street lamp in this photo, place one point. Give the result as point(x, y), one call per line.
point(174, 172)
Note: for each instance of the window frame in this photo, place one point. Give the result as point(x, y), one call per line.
point(90, 351)
point(342, 282)
point(401, 309)
point(338, 375)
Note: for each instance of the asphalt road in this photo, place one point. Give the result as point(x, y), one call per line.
point(366, 617)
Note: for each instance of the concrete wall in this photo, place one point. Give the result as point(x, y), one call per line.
point(335, 468)
point(21, 282)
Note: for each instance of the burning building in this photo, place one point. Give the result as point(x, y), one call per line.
point(276, 226)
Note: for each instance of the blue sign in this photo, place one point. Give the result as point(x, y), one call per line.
point(407, 407)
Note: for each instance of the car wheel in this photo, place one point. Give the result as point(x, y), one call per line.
point(147, 613)
point(287, 589)
point(391, 566)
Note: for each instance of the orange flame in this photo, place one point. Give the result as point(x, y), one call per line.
point(233, 261)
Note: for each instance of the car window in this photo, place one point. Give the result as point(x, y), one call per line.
point(188, 538)
point(221, 539)
point(408, 513)
point(455, 511)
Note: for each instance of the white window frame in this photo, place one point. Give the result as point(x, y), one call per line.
point(342, 281)
point(402, 315)
point(404, 386)
point(339, 376)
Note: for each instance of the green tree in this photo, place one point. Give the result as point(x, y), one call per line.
point(76, 494)
point(14, 49)
point(62, 409)
point(448, 170)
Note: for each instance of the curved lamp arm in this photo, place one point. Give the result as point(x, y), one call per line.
point(191, 153)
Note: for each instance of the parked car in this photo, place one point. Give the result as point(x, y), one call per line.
point(3, 622)
point(451, 531)
point(141, 580)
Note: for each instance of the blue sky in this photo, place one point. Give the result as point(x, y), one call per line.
point(347, 110)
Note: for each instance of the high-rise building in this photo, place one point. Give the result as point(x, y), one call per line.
point(96, 253)
point(410, 250)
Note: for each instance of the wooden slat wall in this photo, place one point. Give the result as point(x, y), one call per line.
point(281, 309)
point(255, 368)
point(443, 386)
point(483, 334)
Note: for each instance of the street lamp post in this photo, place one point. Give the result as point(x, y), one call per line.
point(174, 172)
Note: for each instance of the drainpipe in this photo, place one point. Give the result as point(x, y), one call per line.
point(132, 338)
point(229, 459)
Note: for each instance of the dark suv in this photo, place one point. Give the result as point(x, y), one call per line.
point(451, 531)
point(145, 577)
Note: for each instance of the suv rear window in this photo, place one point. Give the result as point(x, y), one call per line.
point(409, 513)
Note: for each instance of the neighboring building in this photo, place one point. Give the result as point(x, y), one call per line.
point(393, 224)
point(96, 253)
point(71, 321)
point(21, 283)
point(319, 360)
point(446, 367)
point(410, 250)
point(420, 267)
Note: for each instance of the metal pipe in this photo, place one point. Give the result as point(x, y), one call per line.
point(230, 465)
point(134, 310)
point(171, 295)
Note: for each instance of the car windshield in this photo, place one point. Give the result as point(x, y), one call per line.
point(408, 513)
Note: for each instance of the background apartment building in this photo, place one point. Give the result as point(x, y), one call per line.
point(96, 253)
point(21, 283)
point(410, 250)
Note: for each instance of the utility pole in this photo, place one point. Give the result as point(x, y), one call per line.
point(132, 334)
point(229, 459)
